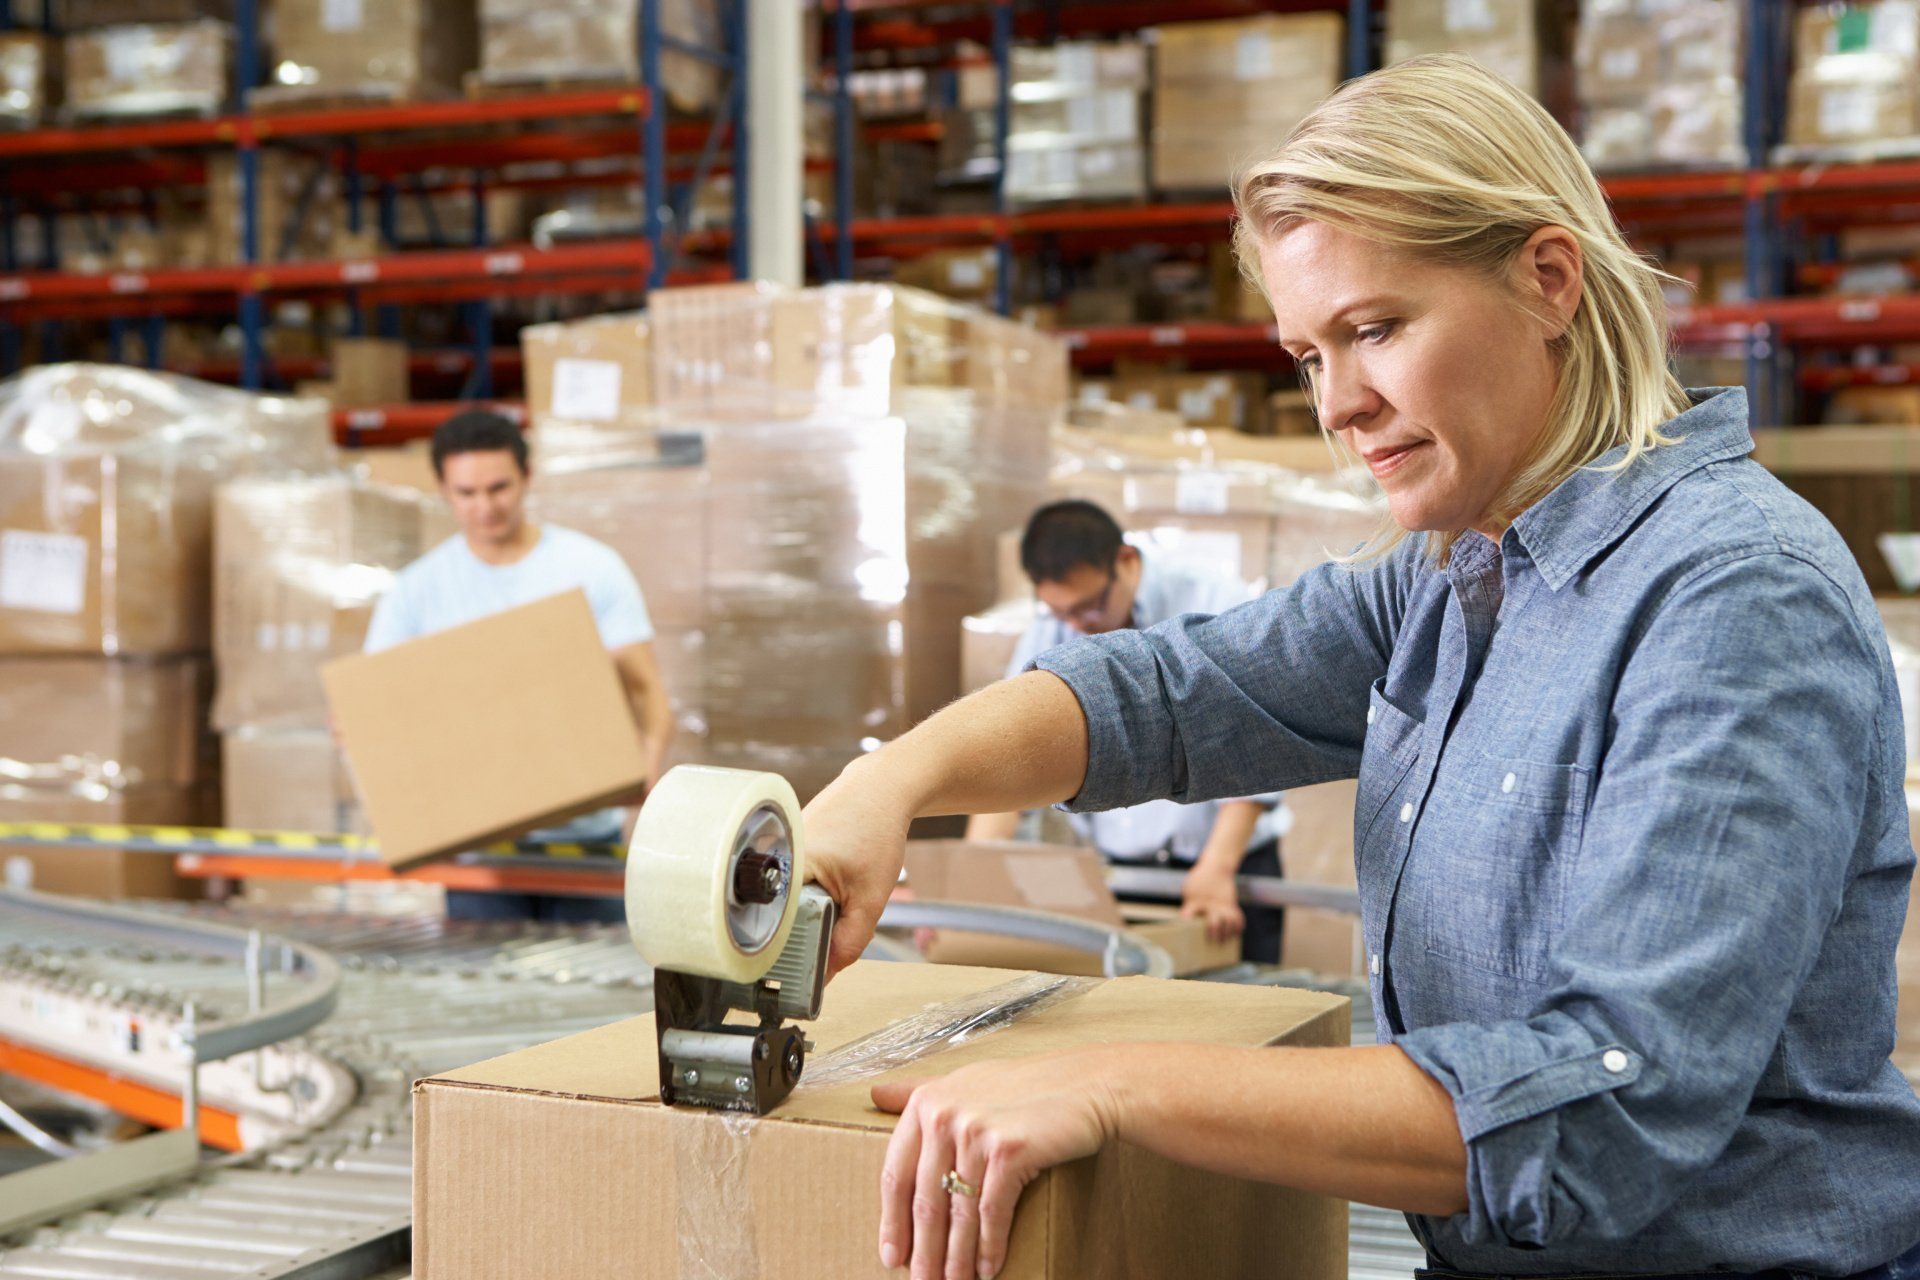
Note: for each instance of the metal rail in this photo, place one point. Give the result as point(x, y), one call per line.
point(1121, 953)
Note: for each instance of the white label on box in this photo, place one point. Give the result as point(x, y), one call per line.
point(966, 273)
point(1050, 881)
point(45, 572)
point(1469, 15)
point(130, 52)
point(1620, 64)
point(342, 15)
point(266, 638)
point(1074, 63)
point(1083, 115)
point(1846, 111)
point(586, 390)
point(1142, 400)
point(1200, 493)
point(1196, 404)
point(1253, 56)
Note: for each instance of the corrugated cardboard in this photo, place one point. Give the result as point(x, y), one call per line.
point(25, 77)
point(593, 372)
point(1061, 879)
point(486, 730)
point(102, 873)
point(398, 48)
point(369, 372)
point(114, 722)
point(286, 780)
point(631, 1190)
point(148, 69)
point(1318, 849)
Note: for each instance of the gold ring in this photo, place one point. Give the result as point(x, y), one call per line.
point(954, 1185)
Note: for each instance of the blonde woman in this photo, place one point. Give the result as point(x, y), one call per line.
point(1631, 841)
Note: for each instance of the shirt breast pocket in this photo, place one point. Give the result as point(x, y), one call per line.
point(1504, 835)
point(1392, 746)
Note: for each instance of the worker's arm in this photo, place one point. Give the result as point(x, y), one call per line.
point(1211, 890)
point(1360, 1124)
point(647, 696)
point(1014, 745)
point(993, 826)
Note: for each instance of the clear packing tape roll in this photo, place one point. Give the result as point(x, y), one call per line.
point(681, 907)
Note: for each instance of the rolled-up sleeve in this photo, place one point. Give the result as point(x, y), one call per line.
point(1714, 856)
point(1263, 697)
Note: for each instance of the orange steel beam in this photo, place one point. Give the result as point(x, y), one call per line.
point(142, 1102)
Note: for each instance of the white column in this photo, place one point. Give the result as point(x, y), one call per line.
point(776, 106)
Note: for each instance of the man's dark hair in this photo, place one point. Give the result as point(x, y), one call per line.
point(1064, 535)
point(477, 431)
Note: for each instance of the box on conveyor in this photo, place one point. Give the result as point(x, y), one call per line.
point(536, 41)
point(487, 730)
point(1076, 126)
point(148, 69)
point(1659, 82)
point(299, 563)
point(636, 1190)
point(1228, 92)
point(107, 476)
point(1854, 75)
point(1523, 40)
point(382, 49)
point(26, 78)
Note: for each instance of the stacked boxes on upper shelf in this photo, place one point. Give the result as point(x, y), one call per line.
point(107, 479)
point(1522, 40)
point(809, 500)
point(1076, 131)
point(148, 69)
point(1227, 92)
point(536, 42)
point(26, 79)
point(383, 50)
point(1659, 83)
point(1856, 79)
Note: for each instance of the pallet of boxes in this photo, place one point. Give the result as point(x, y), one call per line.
point(1178, 497)
point(1853, 94)
point(107, 483)
point(807, 484)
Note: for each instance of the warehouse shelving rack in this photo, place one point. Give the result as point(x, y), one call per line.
point(380, 152)
point(1784, 214)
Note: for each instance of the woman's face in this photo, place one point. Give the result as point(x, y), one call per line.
point(1431, 374)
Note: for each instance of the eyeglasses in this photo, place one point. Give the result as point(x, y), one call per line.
point(1092, 609)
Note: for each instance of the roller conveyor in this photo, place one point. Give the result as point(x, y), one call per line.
point(321, 1185)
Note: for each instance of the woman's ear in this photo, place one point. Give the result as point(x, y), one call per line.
point(1552, 274)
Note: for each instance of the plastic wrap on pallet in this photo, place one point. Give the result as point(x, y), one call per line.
point(388, 50)
point(299, 563)
point(148, 69)
point(1265, 522)
point(24, 78)
point(107, 477)
point(1855, 70)
point(1659, 83)
point(77, 722)
point(1225, 93)
point(537, 41)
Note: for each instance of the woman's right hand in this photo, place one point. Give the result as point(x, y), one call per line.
point(856, 840)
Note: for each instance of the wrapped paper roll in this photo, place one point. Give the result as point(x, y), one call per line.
point(713, 872)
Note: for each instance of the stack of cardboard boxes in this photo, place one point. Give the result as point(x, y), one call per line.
point(542, 41)
point(809, 501)
point(107, 478)
point(148, 68)
point(1076, 129)
point(26, 79)
point(1522, 40)
point(1659, 83)
point(1856, 77)
point(396, 50)
point(1225, 93)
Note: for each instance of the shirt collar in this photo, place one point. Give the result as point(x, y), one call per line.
point(1582, 516)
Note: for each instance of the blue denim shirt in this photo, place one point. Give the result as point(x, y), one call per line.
point(1632, 848)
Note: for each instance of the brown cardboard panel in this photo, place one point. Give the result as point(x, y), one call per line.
point(1319, 850)
point(121, 722)
point(489, 729)
point(286, 780)
point(597, 371)
point(631, 1189)
point(369, 372)
point(1056, 878)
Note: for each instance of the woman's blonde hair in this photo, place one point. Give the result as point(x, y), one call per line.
point(1444, 159)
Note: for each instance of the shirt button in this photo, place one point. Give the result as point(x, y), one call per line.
point(1614, 1060)
point(1406, 812)
point(1373, 964)
point(1370, 711)
point(1507, 783)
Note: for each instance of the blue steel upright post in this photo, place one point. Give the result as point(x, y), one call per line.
point(1766, 57)
point(1002, 124)
point(653, 149)
point(1359, 37)
point(480, 310)
point(10, 263)
point(253, 310)
point(741, 255)
point(843, 140)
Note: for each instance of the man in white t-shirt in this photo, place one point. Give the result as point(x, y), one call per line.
point(1091, 581)
point(498, 561)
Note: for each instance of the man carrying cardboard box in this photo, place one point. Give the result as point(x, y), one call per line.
point(1092, 582)
point(498, 561)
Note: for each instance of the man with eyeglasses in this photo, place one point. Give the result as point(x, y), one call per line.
point(1092, 582)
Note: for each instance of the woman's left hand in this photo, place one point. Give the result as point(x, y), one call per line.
point(995, 1126)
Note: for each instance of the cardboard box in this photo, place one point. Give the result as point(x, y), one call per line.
point(114, 722)
point(1854, 74)
point(102, 873)
point(394, 49)
point(103, 554)
point(591, 373)
point(368, 372)
point(301, 208)
point(1522, 40)
point(623, 1178)
point(988, 641)
point(487, 730)
point(287, 780)
point(148, 69)
point(1060, 879)
point(1318, 849)
point(299, 564)
point(25, 78)
point(543, 40)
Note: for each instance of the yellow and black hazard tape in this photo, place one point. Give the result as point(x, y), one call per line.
point(140, 838)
